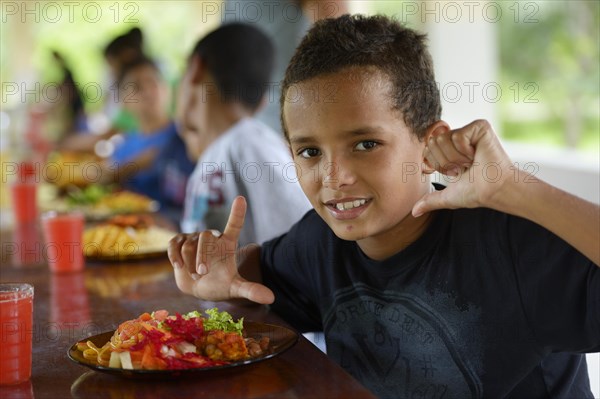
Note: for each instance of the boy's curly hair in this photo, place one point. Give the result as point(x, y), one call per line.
point(356, 40)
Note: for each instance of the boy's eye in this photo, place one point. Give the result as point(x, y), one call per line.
point(309, 152)
point(366, 145)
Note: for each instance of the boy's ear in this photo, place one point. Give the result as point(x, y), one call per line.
point(197, 69)
point(436, 129)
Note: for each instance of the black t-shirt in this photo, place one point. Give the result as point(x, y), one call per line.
point(482, 305)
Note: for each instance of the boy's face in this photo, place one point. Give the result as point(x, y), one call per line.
point(190, 113)
point(144, 93)
point(358, 163)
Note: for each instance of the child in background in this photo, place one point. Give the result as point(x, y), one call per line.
point(75, 116)
point(223, 87)
point(487, 288)
point(151, 160)
point(118, 53)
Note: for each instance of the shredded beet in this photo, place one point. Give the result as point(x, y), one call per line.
point(189, 330)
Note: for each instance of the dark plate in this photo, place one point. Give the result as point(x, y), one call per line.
point(281, 339)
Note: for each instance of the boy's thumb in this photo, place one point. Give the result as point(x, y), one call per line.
point(428, 202)
point(255, 292)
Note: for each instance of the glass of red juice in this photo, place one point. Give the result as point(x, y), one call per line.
point(63, 233)
point(24, 200)
point(16, 329)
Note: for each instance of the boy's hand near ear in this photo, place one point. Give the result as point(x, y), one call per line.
point(205, 263)
point(474, 159)
point(484, 176)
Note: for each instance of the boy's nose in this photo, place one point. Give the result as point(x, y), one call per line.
point(337, 174)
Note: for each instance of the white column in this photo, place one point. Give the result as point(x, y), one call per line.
point(463, 44)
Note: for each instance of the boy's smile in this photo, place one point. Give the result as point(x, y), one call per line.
point(357, 162)
point(347, 208)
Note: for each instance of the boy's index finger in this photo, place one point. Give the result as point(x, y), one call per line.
point(236, 218)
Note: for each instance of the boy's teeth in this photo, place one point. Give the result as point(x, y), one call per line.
point(341, 206)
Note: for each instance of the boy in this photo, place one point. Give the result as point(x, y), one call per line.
point(414, 302)
point(222, 89)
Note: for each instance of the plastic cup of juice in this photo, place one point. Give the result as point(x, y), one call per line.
point(24, 202)
point(16, 320)
point(63, 233)
point(26, 170)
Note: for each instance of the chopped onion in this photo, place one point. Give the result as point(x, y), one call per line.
point(115, 360)
point(126, 360)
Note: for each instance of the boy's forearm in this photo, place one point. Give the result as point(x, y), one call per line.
point(573, 219)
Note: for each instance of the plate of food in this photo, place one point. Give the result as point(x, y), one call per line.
point(73, 168)
point(99, 202)
point(126, 237)
point(160, 344)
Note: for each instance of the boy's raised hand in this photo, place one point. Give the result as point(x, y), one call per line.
point(205, 263)
point(477, 165)
point(483, 176)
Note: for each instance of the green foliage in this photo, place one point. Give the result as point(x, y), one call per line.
point(549, 132)
point(557, 48)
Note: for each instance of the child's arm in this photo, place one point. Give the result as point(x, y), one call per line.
point(205, 264)
point(485, 177)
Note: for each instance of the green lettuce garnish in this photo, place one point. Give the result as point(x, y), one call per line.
point(221, 321)
point(191, 315)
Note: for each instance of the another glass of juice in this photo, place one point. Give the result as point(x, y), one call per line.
point(16, 326)
point(63, 234)
point(24, 200)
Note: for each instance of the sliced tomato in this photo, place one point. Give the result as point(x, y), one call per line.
point(161, 315)
point(145, 316)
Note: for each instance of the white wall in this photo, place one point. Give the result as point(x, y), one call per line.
point(465, 55)
point(573, 171)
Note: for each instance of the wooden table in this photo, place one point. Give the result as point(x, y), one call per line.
point(70, 307)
